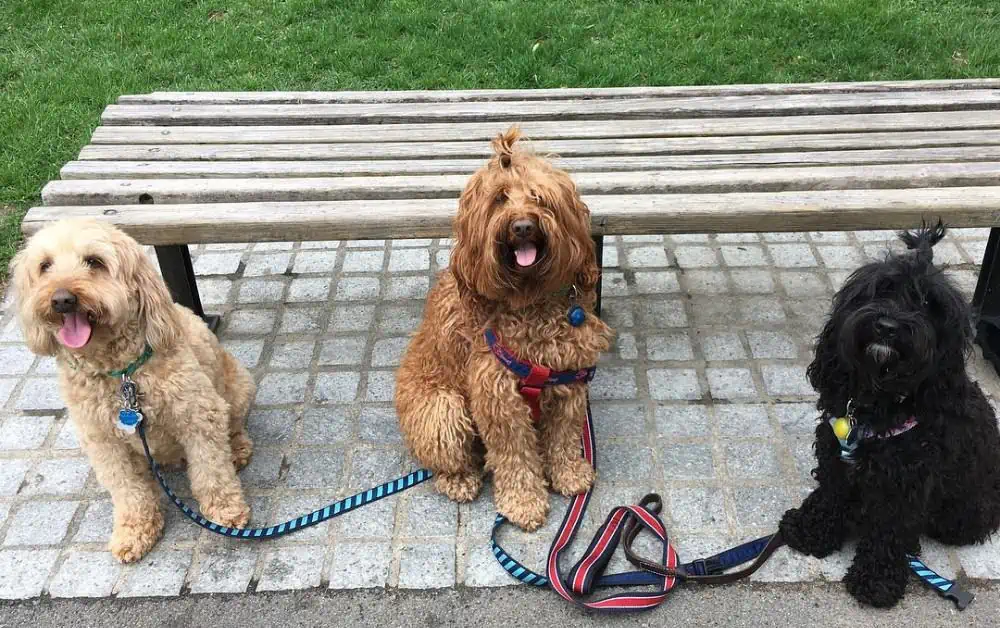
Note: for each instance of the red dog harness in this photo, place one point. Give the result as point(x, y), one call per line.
point(533, 376)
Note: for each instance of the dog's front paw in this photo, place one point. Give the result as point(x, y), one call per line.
point(876, 583)
point(133, 536)
point(526, 508)
point(234, 513)
point(459, 487)
point(571, 477)
point(242, 448)
point(807, 533)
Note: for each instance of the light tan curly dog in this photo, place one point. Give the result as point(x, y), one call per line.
point(88, 295)
point(523, 256)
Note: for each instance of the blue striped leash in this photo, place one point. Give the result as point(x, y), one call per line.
point(946, 588)
point(293, 525)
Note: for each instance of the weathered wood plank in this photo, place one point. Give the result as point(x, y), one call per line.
point(632, 214)
point(285, 169)
point(550, 94)
point(699, 127)
point(564, 148)
point(187, 191)
point(639, 108)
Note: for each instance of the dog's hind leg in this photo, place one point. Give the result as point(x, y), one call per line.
point(965, 521)
point(239, 391)
point(439, 433)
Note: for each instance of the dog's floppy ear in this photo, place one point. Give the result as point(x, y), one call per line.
point(923, 240)
point(40, 341)
point(156, 306)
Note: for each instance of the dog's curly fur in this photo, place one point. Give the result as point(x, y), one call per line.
point(194, 395)
point(895, 346)
point(452, 395)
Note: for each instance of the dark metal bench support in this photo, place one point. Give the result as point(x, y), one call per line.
point(178, 273)
point(986, 302)
point(599, 254)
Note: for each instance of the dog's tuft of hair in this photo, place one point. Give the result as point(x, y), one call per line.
point(894, 349)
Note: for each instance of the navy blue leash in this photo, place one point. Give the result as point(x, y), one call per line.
point(317, 516)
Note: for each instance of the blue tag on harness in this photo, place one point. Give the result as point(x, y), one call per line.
point(128, 419)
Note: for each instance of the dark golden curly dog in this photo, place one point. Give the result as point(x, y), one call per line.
point(522, 249)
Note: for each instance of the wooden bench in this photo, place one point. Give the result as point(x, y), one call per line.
point(175, 169)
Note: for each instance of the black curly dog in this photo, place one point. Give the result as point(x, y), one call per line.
point(895, 348)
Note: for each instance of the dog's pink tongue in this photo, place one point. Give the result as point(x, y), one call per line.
point(526, 254)
point(75, 331)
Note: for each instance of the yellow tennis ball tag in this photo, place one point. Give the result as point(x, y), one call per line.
point(842, 428)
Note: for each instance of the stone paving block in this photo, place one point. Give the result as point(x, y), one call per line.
point(772, 344)
point(408, 288)
point(363, 261)
point(762, 310)
point(59, 476)
point(12, 331)
point(982, 561)
point(225, 570)
point(388, 351)
point(217, 263)
point(365, 244)
point(46, 366)
point(379, 425)
point(263, 470)
point(442, 258)
point(373, 465)
point(661, 314)
point(86, 574)
point(260, 291)
point(976, 251)
point(667, 384)
point(687, 462)
point(613, 382)
point(324, 426)
point(25, 572)
point(632, 462)
point(281, 388)
point(250, 321)
point(345, 350)
point(15, 360)
point(697, 508)
point(706, 282)
point(731, 383)
point(291, 568)
point(399, 319)
point(360, 564)
point(647, 256)
point(376, 521)
point(636, 239)
point(749, 459)
point(682, 421)
point(314, 262)
point(761, 507)
point(744, 255)
point(787, 566)
point(352, 317)
point(743, 420)
point(796, 417)
point(40, 523)
point(270, 427)
point(312, 469)
point(411, 243)
point(783, 380)
point(610, 257)
point(319, 244)
point(408, 260)
point(841, 256)
point(721, 346)
point(431, 514)
point(4, 511)
point(40, 394)
point(357, 289)
point(753, 281)
point(12, 475)
point(791, 255)
point(246, 352)
point(301, 320)
point(96, 524)
point(615, 420)
point(381, 386)
point(24, 432)
point(292, 507)
point(625, 346)
point(6, 388)
point(267, 264)
point(688, 237)
point(336, 387)
point(675, 346)
point(801, 284)
point(656, 282)
point(695, 256)
point(292, 355)
point(312, 289)
point(483, 570)
point(427, 566)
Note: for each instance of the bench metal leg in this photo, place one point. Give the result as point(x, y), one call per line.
point(986, 302)
point(599, 254)
point(178, 273)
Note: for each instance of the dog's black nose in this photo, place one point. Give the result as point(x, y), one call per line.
point(523, 228)
point(63, 301)
point(886, 327)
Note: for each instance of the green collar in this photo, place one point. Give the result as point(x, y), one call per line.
point(130, 370)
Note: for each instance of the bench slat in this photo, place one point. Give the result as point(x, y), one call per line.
point(318, 168)
point(551, 94)
point(172, 191)
point(640, 214)
point(878, 102)
point(699, 127)
point(563, 148)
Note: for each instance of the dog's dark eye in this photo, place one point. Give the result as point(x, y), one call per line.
point(500, 198)
point(45, 265)
point(94, 262)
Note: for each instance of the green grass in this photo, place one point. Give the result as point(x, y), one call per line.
point(63, 61)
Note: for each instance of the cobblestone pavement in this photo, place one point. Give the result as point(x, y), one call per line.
point(703, 400)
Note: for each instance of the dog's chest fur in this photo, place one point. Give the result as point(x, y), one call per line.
point(542, 334)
